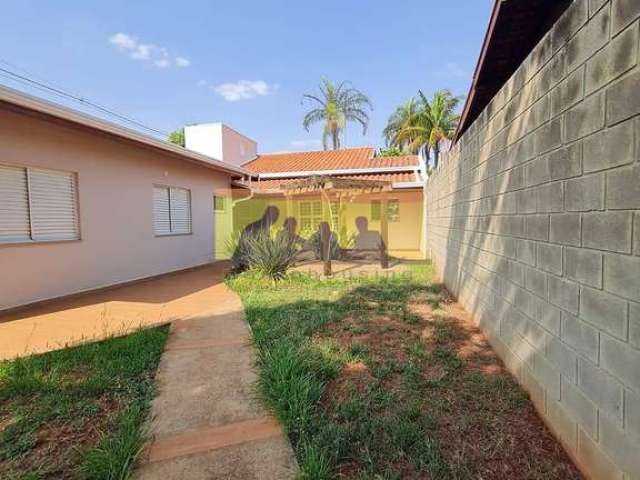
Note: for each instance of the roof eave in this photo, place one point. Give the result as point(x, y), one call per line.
point(342, 171)
point(474, 82)
point(30, 103)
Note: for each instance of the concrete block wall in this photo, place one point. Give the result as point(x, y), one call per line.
point(533, 222)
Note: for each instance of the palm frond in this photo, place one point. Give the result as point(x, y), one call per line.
point(338, 104)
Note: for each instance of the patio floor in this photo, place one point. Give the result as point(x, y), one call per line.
point(115, 311)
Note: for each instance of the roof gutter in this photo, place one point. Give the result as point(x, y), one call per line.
point(403, 185)
point(31, 103)
point(342, 171)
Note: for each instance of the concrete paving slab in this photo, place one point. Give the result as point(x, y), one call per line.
point(204, 386)
point(206, 420)
point(268, 459)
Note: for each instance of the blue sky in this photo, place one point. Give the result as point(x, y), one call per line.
point(246, 63)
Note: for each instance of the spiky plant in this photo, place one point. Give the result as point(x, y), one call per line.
point(270, 254)
point(335, 106)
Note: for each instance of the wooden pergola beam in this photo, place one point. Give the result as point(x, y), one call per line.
point(324, 185)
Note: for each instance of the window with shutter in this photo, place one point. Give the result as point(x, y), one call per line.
point(54, 212)
point(37, 205)
point(171, 210)
point(180, 208)
point(161, 217)
point(14, 205)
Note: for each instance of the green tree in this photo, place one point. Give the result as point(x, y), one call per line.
point(177, 137)
point(399, 132)
point(335, 106)
point(440, 118)
point(389, 152)
point(426, 121)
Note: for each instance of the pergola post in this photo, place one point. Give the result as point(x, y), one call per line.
point(341, 186)
point(325, 248)
point(384, 232)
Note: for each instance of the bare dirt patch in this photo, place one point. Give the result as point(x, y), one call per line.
point(429, 354)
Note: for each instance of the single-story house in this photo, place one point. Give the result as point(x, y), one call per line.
point(404, 199)
point(85, 203)
point(355, 218)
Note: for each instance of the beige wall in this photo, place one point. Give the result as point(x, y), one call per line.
point(115, 192)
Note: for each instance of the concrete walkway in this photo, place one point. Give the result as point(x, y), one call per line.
point(207, 423)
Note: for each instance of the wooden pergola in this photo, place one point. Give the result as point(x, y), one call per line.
point(343, 188)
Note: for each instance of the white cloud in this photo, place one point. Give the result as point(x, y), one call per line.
point(123, 41)
point(146, 52)
point(182, 62)
point(244, 90)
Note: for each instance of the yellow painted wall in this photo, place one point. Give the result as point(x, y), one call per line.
point(404, 234)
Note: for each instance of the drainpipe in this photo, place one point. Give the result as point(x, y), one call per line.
point(234, 203)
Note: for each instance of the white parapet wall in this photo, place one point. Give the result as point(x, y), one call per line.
point(221, 142)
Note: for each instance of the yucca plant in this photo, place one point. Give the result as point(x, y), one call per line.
point(270, 254)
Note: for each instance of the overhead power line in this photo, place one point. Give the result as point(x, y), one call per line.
point(41, 85)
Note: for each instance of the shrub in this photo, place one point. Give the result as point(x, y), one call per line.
point(270, 254)
point(314, 242)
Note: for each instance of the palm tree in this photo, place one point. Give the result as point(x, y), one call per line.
point(335, 106)
point(399, 132)
point(433, 122)
point(441, 119)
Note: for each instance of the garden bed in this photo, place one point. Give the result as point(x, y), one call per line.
point(78, 412)
point(388, 378)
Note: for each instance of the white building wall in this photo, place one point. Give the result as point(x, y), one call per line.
point(221, 142)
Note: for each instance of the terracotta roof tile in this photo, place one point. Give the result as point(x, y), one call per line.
point(347, 158)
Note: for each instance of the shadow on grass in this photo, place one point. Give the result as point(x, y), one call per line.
point(374, 378)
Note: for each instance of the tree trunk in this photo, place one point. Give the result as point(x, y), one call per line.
point(336, 140)
point(436, 156)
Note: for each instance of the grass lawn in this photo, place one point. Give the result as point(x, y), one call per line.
point(388, 379)
point(78, 412)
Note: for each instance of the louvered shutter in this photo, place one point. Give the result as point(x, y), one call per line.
point(161, 216)
point(54, 208)
point(14, 205)
point(180, 204)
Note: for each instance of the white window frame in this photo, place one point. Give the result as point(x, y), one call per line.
point(34, 238)
point(313, 218)
point(172, 232)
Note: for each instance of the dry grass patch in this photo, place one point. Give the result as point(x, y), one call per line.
point(389, 379)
